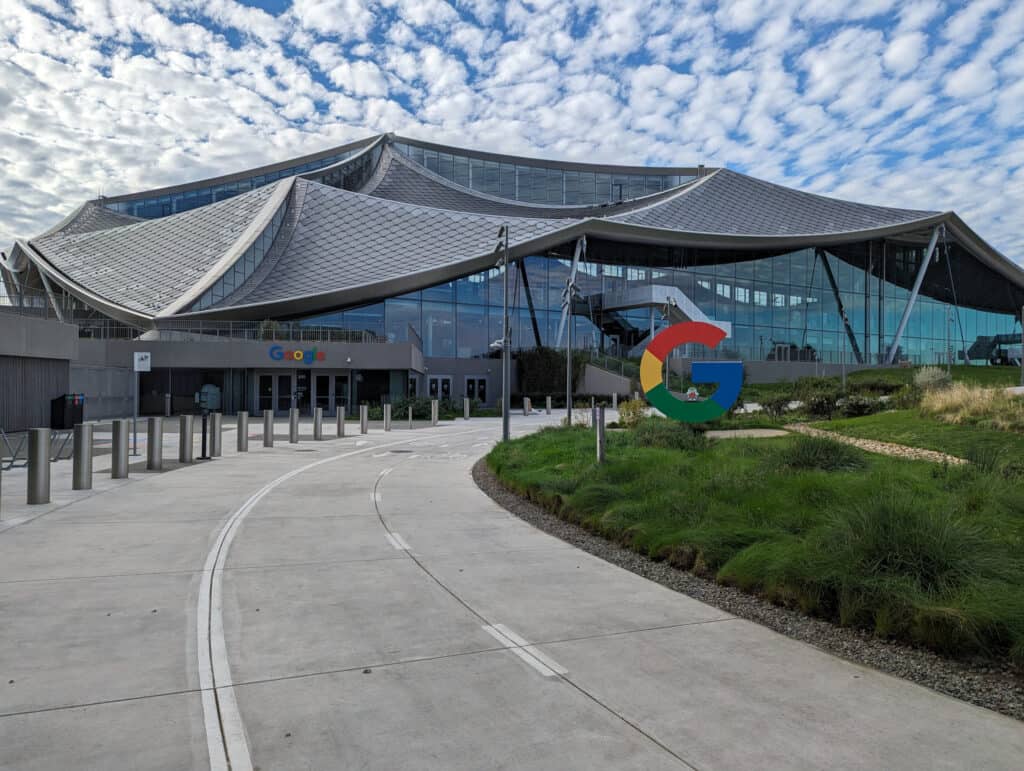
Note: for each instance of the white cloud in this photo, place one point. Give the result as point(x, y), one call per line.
point(897, 103)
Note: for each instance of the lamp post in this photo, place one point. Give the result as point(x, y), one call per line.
point(567, 297)
point(506, 342)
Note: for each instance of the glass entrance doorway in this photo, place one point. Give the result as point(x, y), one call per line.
point(281, 390)
point(274, 391)
point(440, 387)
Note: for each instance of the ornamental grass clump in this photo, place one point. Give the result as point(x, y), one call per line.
point(972, 405)
point(667, 435)
point(932, 378)
point(819, 453)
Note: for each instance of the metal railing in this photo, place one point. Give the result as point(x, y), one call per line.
point(225, 331)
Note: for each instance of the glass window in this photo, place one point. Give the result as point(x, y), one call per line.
point(472, 331)
point(438, 331)
point(401, 314)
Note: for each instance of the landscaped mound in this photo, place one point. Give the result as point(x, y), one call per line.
point(912, 550)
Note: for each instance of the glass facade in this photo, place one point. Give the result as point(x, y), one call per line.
point(164, 205)
point(539, 184)
point(245, 265)
point(781, 307)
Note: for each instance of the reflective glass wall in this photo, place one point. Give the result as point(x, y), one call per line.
point(780, 307)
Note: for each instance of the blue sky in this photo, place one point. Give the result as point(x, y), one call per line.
point(914, 104)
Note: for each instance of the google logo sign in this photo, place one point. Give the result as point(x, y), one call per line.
point(728, 374)
point(277, 353)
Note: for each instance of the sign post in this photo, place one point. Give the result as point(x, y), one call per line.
point(142, 362)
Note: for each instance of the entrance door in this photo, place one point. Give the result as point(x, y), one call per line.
point(283, 394)
point(440, 387)
point(341, 394)
point(476, 388)
point(265, 393)
point(323, 395)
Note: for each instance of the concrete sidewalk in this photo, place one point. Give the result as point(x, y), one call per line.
point(359, 603)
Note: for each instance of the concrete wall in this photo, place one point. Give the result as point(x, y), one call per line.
point(601, 382)
point(34, 368)
point(108, 390)
point(780, 371)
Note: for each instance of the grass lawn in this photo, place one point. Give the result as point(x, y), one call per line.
point(911, 428)
point(916, 551)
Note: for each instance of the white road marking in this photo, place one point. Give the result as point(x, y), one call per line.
point(528, 656)
point(397, 541)
point(361, 442)
point(221, 717)
point(379, 454)
point(533, 650)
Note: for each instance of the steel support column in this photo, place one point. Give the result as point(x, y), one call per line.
point(823, 256)
point(913, 295)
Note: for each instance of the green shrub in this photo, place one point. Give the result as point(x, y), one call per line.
point(823, 403)
point(814, 452)
point(632, 412)
point(805, 387)
point(856, 406)
point(932, 378)
point(668, 435)
point(776, 406)
point(906, 398)
point(874, 387)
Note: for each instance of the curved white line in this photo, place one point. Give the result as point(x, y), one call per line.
point(225, 731)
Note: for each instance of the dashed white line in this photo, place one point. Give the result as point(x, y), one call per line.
point(526, 652)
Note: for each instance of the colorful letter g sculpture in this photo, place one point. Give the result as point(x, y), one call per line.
point(728, 374)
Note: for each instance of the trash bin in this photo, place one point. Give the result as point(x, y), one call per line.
point(66, 411)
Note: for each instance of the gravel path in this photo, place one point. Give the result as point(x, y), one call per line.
point(992, 685)
point(881, 448)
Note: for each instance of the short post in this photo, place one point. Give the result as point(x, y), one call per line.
point(615, 401)
point(135, 435)
point(119, 450)
point(293, 425)
point(547, 406)
point(216, 420)
point(636, 396)
point(465, 407)
point(38, 466)
point(268, 428)
point(593, 413)
point(318, 424)
point(364, 419)
point(410, 416)
point(387, 417)
point(600, 434)
point(526, 405)
point(81, 473)
point(341, 421)
point(433, 412)
point(167, 405)
point(154, 444)
point(205, 426)
point(186, 427)
point(242, 440)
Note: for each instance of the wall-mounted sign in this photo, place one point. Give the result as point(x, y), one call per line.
point(142, 360)
point(308, 356)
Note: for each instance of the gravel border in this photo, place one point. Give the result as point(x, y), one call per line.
point(995, 686)
point(880, 448)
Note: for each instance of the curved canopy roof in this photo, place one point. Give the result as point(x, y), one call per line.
point(383, 224)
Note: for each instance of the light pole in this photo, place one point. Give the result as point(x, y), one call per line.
point(506, 342)
point(570, 290)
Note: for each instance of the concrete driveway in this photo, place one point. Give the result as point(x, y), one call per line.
point(359, 603)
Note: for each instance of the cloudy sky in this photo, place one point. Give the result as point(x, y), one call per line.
point(918, 104)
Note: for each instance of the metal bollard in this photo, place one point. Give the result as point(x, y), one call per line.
point(154, 444)
point(364, 419)
point(636, 395)
point(293, 425)
point(387, 417)
point(547, 406)
point(216, 435)
point(410, 416)
point(318, 424)
point(268, 428)
point(167, 405)
point(119, 451)
point(615, 401)
point(242, 440)
point(38, 466)
point(186, 440)
point(341, 422)
point(600, 434)
point(465, 407)
point(81, 472)
point(433, 412)
point(527, 405)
